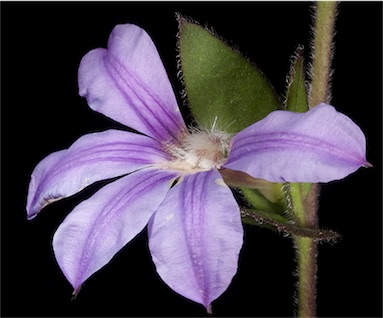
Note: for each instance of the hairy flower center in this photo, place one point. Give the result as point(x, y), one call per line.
point(199, 150)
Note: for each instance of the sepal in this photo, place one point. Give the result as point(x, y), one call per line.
point(296, 95)
point(271, 191)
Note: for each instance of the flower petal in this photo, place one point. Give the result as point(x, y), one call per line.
point(128, 83)
point(99, 227)
point(195, 237)
point(320, 145)
point(91, 158)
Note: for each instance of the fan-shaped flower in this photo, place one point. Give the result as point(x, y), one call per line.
point(170, 175)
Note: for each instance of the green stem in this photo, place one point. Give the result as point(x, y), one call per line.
point(307, 268)
point(306, 247)
point(322, 55)
point(306, 207)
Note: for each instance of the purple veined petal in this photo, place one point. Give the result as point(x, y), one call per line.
point(99, 227)
point(195, 237)
point(93, 157)
point(320, 145)
point(128, 83)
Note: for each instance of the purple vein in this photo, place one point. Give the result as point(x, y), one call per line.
point(114, 71)
point(278, 141)
point(115, 207)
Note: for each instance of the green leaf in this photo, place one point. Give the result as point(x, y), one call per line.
point(296, 96)
point(222, 87)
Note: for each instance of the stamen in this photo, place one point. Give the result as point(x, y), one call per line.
point(199, 150)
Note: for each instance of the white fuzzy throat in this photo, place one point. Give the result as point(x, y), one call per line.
point(199, 150)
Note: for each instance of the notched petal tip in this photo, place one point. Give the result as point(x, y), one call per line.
point(367, 165)
point(75, 292)
point(30, 217)
point(32, 212)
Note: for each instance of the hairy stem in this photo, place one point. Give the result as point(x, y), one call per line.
point(307, 268)
point(306, 207)
point(305, 213)
point(325, 14)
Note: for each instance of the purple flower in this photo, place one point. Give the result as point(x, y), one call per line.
point(170, 176)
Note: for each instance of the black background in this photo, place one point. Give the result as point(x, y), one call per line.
point(42, 44)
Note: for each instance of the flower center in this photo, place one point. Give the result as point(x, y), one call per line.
point(199, 150)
